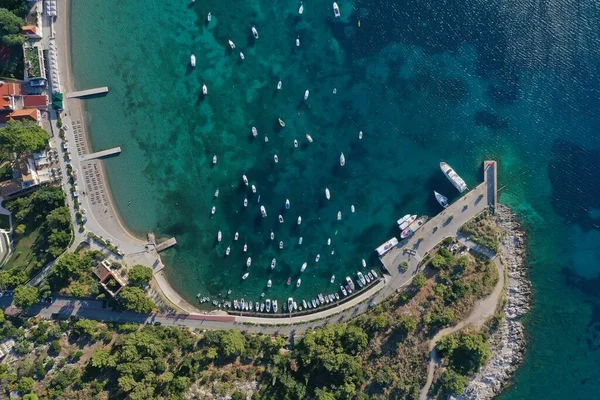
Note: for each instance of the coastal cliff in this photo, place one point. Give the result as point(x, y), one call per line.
point(508, 342)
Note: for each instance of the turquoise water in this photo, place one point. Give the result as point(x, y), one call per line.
point(425, 81)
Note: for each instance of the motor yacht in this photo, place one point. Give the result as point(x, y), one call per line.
point(193, 60)
point(273, 263)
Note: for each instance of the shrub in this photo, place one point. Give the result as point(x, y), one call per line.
point(419, 280)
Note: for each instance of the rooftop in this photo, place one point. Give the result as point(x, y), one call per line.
point(35, 101)
point(20, 115)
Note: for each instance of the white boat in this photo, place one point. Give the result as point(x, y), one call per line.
point(298, 41)
point(327, 194)
point(405, 221)
point(228, 250)
point(275, 158)
point(352, 208)
point(213, 210)
point(370, 275)
point(290, 304)
point(274, 306)
point(332, 279)
point(342, 160)
point(193, 60)
point(204, 90)
point(242, 56)
point(361, 278)
point(443, 200)
point(254, 32)
point(412, 228)
point(295, 143)
point(336, 10)
point(304, 304)
point(303, 267)
point(245, 247)
point(217, 193)
point(287, 204)
point(300, 11)
point(214, 159)
point(245, 275)
point(453, 177)
point(281, 245)
point(266, 139)
point(231, 44)
point(296, 305)
point(209, 17)
point(263, 211)
point(245, 202)
point(364, 263)
point(253, 189)
point(300, 240)
point(329, 242)
point(339, 215)
point(254, 132)
point(314, 303)
point(367, 279)
point(250, 305)
point(245, 179)
point(249, 261)
point(236, 236)
point(262, 307)
point(272, 235)
point(269, 283)
point(273, 263)
point(387, 246)
point(350, 283)
point(317, 258)
point(243, 304)
point(299, 220)
point(280, 219)
point(360, 135)
point(306, 93)
point(279, 85)
point(334, 91)
point(219, 236)
point(281, 122)
point(374, 273)
point(321, 298)
point(298, 282)
point(337, 296)
point(268, 305)
point(343, 291)
point(309, 138)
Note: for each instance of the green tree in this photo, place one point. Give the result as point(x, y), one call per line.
point(20, 229)
point(25, 384)
point(233, 343)
point(453, 382)
point(58, 241)
point(103, 359)
point(439, 262)
point(10, 27)
point(68, 265)
point(25, 297)
point(139, 275)
point(13, 39)
point(30, 396)
point(135, 299)
point(419, 280)
point(407, 324)
point(23, 137)
point(59, 218)
point(470, 354)
point(86, 327)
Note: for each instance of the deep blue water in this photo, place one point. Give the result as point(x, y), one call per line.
point(460, 81)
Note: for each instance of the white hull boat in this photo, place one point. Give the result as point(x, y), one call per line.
point(343, 291)
point(364, 263)
point(299, 220)
point(273, 263)
point(327, 194)
point(387, 246)
point(219, 236)
point(280, 219)
point(453, 177)
point(254, 33)
point(245, 247)
point(236, 236)
point(336, 10)
point(298, 282)
point(228, 251)
point(275, 158)
point(287, 204)
point(231, 44)
point(242, 56)
point(342, 160)
point(217, 193)
point(193, 60)
point(352, 208)
point(306, 93)
point(215, 159)
point(443, 200)
point(209, 17)
point(268, 305)
point(245, 275)
point(360, 135)
point(272, 235)
point(332, 279)
point(279, 84)
point(339, 215)
point(254, 132)
point(204, 90)
point(300, 240)
point(269, 283)
point(374, 273)
point(281, 245)
point(245, 202)
point(274, 306)
point(300, 11)
point(245, 179)
point(303, 267)
point(309, 138)
point(412, 228)
point(405, 221)
point(298, 41)
point(253, 189)
point(281, 123)
point(248, 262)
point(263, 211)
point(295, 143)
point(213, 210)
point(317, 258)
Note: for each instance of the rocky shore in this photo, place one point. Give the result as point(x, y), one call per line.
point(508, 342)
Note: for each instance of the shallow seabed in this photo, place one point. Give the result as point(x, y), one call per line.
point(425, 80)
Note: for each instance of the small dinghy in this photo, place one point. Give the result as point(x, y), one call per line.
point(306, 93)
point(339, 215)
point(268, 305)
point(228, 250)
point(360, 135)
point(269, 283)
point(342, 160)
point(245, 247)
point(309, 138)
point(242, 56)
point(298, 282)
point(352, 208)
point(334, 91)
point(443, 200)
point(300, 240)
point(336, 10)
point(254, 32)
point(245, 202)
point(262, 307)
point(329, 242)
point(289, 281)
point(214, 159)
point(272, 236)
point(217, 193)
point(280, 219)
point(364, 263)
point(209, 17)
point(266, 139)
point(204, 90)
point(219, 236)
point(231, 44)
point(254, 132)
point(298, 41)
point(273, 263)
point(295, 143)
point(343, 291)
point(213, 210)
point(193, 60)
point(300, 11)
point(317, 258)
point(287, 204)
point(253, 189)
point(299, 220)
point(248, 262)
point(281, 245)
point(275, 158)
point(303, 267)
point(327, 194)
point(281, 122)
point(245, 179)
point(236, 236)
point(263, 211)
point(332, 279)
point(279, 84)
point(245, 275)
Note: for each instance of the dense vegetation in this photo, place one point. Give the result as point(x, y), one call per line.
point(11, 63)
point(42, 232)
point(23, 137)
point(484, 232)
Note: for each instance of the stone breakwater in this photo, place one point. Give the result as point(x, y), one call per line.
point(508, 342)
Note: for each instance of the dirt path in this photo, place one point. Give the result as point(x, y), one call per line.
point(484, 309)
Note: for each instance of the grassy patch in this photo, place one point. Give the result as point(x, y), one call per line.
point(28, 254)
point(484, 232)
point(32, 55)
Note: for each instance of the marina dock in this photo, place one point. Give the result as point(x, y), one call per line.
point(166, 244)
point(100, 154)
point(88, 92)
point(446, 224)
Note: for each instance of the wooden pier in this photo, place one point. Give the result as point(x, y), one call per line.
point(88, 92)
point(166, 244)
point(100, 154)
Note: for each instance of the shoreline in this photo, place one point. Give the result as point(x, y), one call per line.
point(509, 341)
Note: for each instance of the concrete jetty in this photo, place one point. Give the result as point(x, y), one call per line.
point(166, 244)
point(100, 154)
point(88, 92)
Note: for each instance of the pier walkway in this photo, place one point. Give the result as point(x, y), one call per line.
point(100, 154)
point(88, 92)
point(166, 244)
